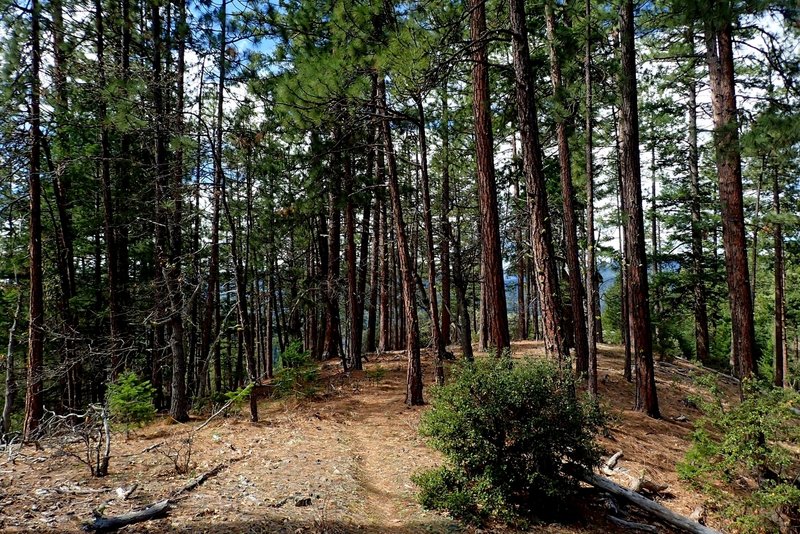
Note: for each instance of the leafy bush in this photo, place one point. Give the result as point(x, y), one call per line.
point(130, 400)
point(515, 436)
point(298, 374)
point(755, 442)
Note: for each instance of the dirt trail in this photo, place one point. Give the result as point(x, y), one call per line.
point(339, 462)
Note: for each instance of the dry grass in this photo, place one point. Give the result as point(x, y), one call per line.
point(346, 455)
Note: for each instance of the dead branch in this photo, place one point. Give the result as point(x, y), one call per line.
point(632, 526)
point(649, 506)
point(195, 482)
point(108, 524)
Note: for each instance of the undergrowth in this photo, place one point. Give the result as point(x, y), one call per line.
point(515, 437)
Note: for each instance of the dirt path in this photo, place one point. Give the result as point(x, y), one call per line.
point(339, 462)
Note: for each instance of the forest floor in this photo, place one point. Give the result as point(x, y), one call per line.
point(339, 461)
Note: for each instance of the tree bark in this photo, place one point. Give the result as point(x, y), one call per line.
point(568, 200)
point(592, 296)
point(781, 360)
point(414, 372)
point(34, 399)
point(211, 327)
point(492, 261)
point(436, 334)
point(372, 315)
point(541, 232)
point(445, 217)
point(719, 55)
point(108, 202)
point(700, 310)
point(354, 353)
point(172, 271)
point(636, 267)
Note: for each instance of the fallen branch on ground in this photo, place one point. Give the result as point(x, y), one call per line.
point(632, 526)
point(636, 484)
point(189, 486)
point(108, 524)
point(153, 511)
point(650, 506)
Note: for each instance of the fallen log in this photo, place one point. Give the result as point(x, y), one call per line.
point(632, 526)
point(189, 486)
point(652, 507)
point(108, 524)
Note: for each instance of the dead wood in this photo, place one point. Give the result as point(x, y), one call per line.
point(611, 463)
point(641, 527)
point(109, 524)
point(198, 480)
point(649, 506)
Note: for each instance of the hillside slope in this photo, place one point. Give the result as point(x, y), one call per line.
point(340, 461)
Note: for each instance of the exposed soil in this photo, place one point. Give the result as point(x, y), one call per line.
point(339, 461)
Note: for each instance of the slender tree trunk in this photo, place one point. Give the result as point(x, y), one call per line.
point(541, 233)
point(592, 295)
point(363, 267)
point(445, 218)
point(700, 311)
point(638, 306)
point(10, 380)
point(781, 360)
point(372, 316)
point(210, 326)
point(384, 341)
point(245, 329)
point(179, 406)
point(414, 374)
point(492, 261)
point(427, 217)
point(108, 202)
point(65, 257)
point(520, 218)
point(655, 252)
point(568, 199)
point(625, 320)
point(34, 399)
point(756, 229)
point(719, 55)
point(332, 326)
point(354, 353)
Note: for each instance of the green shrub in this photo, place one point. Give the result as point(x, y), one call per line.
point(297, 375)
point(238, 397)
point(514, 436)
point(130, 400)
point(755, 441)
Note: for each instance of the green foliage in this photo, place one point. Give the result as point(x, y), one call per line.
point(238, 397)
point(376, 374)
point(755, 440)
point(298, 374)
point(514, 434)
point(130, 400)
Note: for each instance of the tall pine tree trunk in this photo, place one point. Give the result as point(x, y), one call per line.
point(719, 55)
point(541, 233)
point(636, 266)
point(445, 218)
point(427, 218)
point(494, 300)
point(698, 283)
point(592, 295)
point(34, 399)
point(781, 360)
point(568, 200)
point(115, 312)
point(414, 371)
